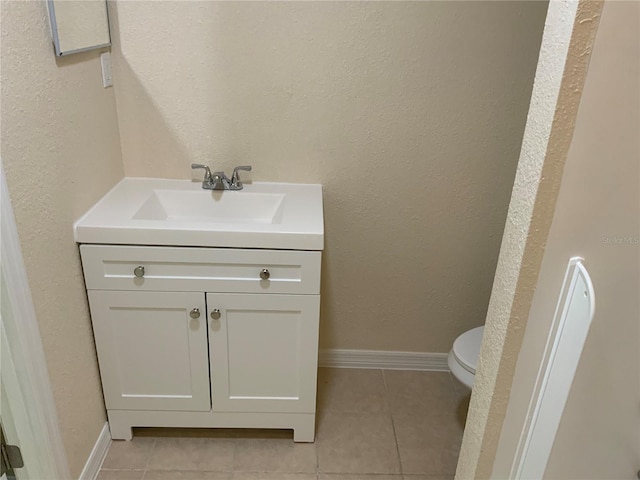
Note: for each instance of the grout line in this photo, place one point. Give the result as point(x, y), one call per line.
point(315, 445)
point(146, 467)
point(393, 425)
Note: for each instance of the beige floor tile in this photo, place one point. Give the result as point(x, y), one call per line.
point(274, 476)
point(417, 393)
point(356, 443)
point(429, 477)
point(343, 476)
point(461, 389)
point(120, 475)
point(185, 432)
point(428, 444)
point(186, 475)
point(274, 455)
point(129, 455)
point(194, 475)
point(463, 395)
point(208, 454)
point(347, 390)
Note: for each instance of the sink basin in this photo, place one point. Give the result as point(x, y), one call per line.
point(150, 211)
point(211, 206)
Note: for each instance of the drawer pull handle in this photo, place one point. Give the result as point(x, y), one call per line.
point(194, 313)
point(139, 271)
point(215, 314)
point(264, 274)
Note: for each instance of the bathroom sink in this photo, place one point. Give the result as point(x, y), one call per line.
point(148, 211)
point(211, 206)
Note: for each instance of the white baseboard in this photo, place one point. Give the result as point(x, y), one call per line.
point(337, 358)
point(97, 455)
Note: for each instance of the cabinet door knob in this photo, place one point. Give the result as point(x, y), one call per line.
point(215, 314)
point(139, 271)
point(264, 274)
point(194, 313)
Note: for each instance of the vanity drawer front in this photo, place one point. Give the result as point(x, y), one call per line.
point(186, 269)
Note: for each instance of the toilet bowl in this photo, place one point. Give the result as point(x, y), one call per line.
point(463, 357)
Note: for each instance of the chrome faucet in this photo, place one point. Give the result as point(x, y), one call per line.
point(219, 181)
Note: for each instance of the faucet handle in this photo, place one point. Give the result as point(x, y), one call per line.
point(235, 178)
point(207, 173)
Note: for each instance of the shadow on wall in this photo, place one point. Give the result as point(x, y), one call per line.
point(149, 136)
point(409, 113)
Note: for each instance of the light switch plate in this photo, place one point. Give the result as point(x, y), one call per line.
point(107, 78)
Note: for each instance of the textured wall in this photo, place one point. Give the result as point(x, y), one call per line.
point(60, 151)
point(598, 435)
point(409, 113)
point(562, 66)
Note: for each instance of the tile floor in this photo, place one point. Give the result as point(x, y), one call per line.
point(371, 425)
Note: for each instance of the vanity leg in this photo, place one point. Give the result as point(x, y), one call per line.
point(305, 430)
point(120, 429)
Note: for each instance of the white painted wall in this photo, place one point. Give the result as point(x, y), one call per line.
point(61, 152)
point(568, 36)
point(409, 113)
point(597, 216)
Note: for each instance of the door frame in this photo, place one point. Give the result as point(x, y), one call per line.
point(25, 363)
point(567, 41)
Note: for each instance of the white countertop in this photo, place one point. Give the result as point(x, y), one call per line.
point(151, 211)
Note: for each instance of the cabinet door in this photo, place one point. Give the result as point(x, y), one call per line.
point(152, 353)
point(264, 352)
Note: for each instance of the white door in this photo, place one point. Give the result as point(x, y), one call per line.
point(264, 351)
point(12, 412)
point(152, 349)
point(27, 409)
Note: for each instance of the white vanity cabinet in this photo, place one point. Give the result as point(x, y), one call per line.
point(205, 337)
point(263, 352)
point(153, 355)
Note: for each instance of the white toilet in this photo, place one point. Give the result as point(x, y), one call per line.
point(463, 357)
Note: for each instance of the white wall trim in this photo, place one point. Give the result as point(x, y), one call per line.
point(23, 334)
point(495, 356)
point(567, 336)
point(338, 358)
point(97, 455)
